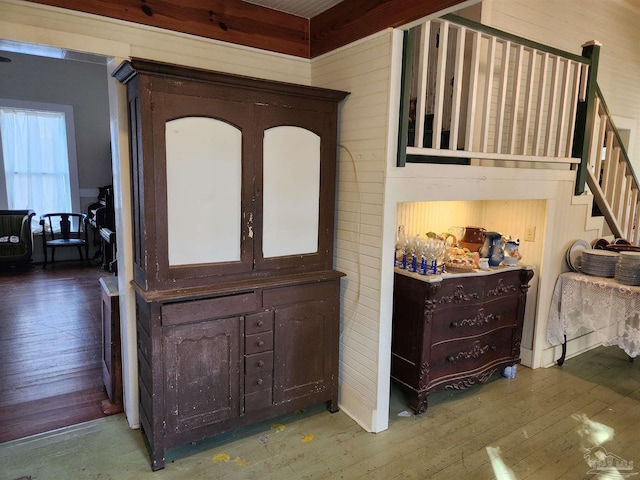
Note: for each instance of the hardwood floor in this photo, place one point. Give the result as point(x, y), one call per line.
point(50, 348)
point(544, 424)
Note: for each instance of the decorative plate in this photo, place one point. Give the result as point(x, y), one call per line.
point(459, 266)
point(574, 254)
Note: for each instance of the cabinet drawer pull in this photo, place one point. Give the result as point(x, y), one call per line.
point(260, 323)
point(261, 363)
point(454, 324)
point(259, 381)
point(260, 343)
point(451, 358)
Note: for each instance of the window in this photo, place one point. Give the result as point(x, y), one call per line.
point(38, 157)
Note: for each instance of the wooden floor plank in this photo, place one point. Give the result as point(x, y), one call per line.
point(531, 419)
point(50, 349)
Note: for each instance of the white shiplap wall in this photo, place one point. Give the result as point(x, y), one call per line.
point(362, 69)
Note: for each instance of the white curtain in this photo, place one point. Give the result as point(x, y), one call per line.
point(36, 163)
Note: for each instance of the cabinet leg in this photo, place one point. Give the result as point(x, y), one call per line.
point(332, 405)
point(109, 408)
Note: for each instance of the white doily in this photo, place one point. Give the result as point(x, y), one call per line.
point(602, 305)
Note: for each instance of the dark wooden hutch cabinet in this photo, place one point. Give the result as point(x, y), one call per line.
point(237, 301)
point(455, 331)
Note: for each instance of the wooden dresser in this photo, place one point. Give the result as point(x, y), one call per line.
point(238, 306)
point(454, 331)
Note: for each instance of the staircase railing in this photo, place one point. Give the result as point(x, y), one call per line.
point(610, 176)
point(474, 94)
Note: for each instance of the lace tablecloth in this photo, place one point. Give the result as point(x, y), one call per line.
point(603, 305)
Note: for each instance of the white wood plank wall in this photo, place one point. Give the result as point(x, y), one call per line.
point(362, 69)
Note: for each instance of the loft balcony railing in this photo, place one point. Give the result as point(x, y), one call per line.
point(472, 94)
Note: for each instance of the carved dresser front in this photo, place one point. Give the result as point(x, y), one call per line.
point(454, 331)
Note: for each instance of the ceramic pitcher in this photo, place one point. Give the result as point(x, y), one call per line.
point(492, 248)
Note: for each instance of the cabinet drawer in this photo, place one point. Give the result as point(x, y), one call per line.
point(259, 362)
point(210, 308)
point(257, 382)
point(460, 356)
point(260, 342)
point(258, 322)
point(473, 320)
point(257, 401)
point(301, 293)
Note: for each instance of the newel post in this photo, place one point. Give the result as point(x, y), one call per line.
point(585, 115)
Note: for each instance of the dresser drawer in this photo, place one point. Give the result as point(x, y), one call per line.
point(257, 382)
point(456, 357)
point(259, 362)
point(260, 342)
point(258, 322)
point(473, 320)
point(459, 292)
point(501, 286)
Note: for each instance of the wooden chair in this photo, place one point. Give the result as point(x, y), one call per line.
point(64, 230)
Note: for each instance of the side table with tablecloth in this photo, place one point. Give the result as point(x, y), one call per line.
point(603, 305)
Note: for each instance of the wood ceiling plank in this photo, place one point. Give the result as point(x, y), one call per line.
point(231, 21)
point(355, 19)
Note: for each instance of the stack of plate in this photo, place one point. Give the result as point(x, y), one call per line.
point(628, 268)
point(601, 263)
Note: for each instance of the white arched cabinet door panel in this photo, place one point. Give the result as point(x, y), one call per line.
point(291, 191)
point(204, 187)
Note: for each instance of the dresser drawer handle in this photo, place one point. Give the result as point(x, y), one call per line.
point(454, 325)
point(261, 363)
point(497, 318)
point(259, 381)
point(260, 343)
point(475, 352)
point(260, 323)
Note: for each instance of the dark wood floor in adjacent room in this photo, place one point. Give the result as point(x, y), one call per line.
point(50, 348)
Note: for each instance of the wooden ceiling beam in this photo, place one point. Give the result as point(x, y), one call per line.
point(252, 25)
point(352, 20)
point(231, 21)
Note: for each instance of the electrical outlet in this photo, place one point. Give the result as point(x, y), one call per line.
point(530, 234)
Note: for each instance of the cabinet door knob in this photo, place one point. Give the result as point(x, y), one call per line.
point(260, 343)
point(259, 381)
point(261, 363)
point(260, 323)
